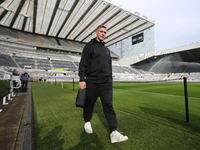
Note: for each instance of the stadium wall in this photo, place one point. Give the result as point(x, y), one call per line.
point(127, 48)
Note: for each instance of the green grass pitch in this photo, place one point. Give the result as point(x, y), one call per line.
point(4, 85)
point(152, 115)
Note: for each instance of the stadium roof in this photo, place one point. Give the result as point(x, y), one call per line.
point(184, 59)
point(72, 19)
point(189, 53)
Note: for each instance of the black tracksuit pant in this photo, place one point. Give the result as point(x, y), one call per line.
point(105, 92)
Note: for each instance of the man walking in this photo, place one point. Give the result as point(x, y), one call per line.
point(95, 72)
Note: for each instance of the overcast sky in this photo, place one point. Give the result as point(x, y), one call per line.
point(177, 21)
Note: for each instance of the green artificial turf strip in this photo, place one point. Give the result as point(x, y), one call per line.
point(145, 118)
point(4, 85)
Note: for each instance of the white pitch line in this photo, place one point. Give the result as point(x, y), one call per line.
point(155, 93)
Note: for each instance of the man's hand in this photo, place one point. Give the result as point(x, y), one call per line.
point(82, 85)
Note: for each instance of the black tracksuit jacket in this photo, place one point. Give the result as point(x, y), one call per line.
point(95, 65)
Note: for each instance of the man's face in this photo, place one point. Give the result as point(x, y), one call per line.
point(101, 34)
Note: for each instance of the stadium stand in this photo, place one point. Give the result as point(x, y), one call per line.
point(25, 61)
point(75, 58)
point(120, 72)
point(174, 76)
point(46, 40)
point(47, 54)
point(1, 75)
point(28, 37)
point(52, 55)
point(77, 64)
point(159, 76)
point(130, 70)
point(64, 64)
point(6, 60)
point(119, 69)
point(193, 76)
point(123, 69)
point(8, 33)
point(43, 64)
point(78, 45)
point(65, 43)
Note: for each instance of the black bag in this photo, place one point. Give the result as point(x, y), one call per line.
point(80, 99)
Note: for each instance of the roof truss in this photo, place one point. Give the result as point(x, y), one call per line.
point(72, 19)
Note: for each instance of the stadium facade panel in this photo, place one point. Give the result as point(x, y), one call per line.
point(128, 47)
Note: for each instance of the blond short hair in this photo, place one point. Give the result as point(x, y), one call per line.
point(101, 26)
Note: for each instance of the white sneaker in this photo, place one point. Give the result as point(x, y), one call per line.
point(115, 137)
point(88, 127)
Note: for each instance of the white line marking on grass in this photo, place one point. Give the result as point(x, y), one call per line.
point(155, 93)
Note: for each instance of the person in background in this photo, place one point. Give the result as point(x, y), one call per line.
point(95, 72)
point(25, 79)
point(15, 73)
